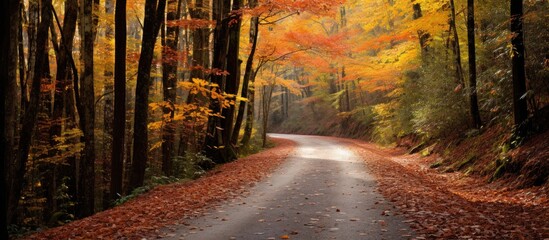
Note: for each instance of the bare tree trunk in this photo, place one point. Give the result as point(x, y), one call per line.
point(248, 72)
point(455, 43)
point(154, 13)
point(199, 60)
point(233, 79)
point(119, 122)
point(34, 18)
point(6, 10)
point(473, 99)
point(169, 80)
point(266, 103)
point(86, 179)
point(214, 144)
point(520, 106)
point(108, 110)
point(21, 47)
point(11, 110)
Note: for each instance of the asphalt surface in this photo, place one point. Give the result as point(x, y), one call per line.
point(323, 191)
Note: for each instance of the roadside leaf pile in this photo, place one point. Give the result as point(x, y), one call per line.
point(167, 205)
point(451, 205)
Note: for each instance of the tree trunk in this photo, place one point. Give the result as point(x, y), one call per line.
point(214, 145)
point(248, 128)
point(154, 13)
point(6, 10)
point(29, 119)
point(198, 63)
point(119, 122)
point(200, 54)
point(266, 103)
point(520, 107)
point(108, 109)
point(455, 43)
point(66, 77)
point(473, 99)
point(21, 47)
point(86, 179)
point(169, 80)
point(32, 25)
point(233, 79)
point(248, 72)
point(11, 110)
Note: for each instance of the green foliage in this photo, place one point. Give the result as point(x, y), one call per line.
point(192, 165)
point(254, 146)
point(501, 167)
point(66, 205)
point(151, 184)
point(439, 108)
point(470, 159)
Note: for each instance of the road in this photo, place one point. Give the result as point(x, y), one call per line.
point(323, 191)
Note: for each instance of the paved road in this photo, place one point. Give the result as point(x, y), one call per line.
point(323, 191)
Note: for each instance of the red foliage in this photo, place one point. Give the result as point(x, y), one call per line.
point(167, 205)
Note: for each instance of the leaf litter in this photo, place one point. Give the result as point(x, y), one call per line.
point(167, 205)
point(452, 205)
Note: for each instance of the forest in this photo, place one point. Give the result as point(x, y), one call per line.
point(103, 100)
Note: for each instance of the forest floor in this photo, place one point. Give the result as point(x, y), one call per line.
point(436, 205)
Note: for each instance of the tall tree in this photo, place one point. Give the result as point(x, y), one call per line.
point(169, 80)
point(66, 75)
point(86, 178)
point(233, 77)
point(520, 106)
point(18, 168)
point(214, 146)
point(154, 15)
point(5, 9)
point(108, 108)
point(248, 72)
point(119, 122)
point(455, 44)
point(11, 111)
point(200, 41)
point(473, 99)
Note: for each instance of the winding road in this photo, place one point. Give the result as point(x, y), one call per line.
point(323, 191)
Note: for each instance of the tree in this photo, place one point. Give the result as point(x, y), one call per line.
point(233, 77)
point(455, 44)
point(520, 107)
point(215, 147)
point(248, 72)
point(65, 77)
point(169, 80)
point(119, 121)
point(154, 14)
point(86, 179)
point(200, 38)
point(18, 169)
point(108, 107)
point(5, 10)
point(473, 99)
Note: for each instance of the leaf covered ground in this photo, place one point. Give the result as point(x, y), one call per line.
point(167, 205)
point(455, 206)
